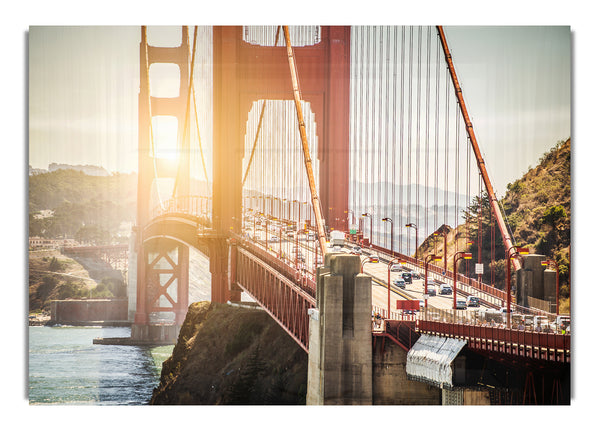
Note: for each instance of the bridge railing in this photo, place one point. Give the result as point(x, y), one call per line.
point(536, 345)
point(479, 334)
point(281, 297)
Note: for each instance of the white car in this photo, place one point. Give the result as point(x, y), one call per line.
point(396, 267)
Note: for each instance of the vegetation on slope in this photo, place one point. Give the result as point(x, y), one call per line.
point(538, 213)
point(54, 276)
point(86, 208)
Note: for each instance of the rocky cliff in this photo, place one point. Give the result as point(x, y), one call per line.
point(232, 355)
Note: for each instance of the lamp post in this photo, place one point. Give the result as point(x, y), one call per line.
point(458, 256)
point(429, 258)
point(445, 234)
point(371, 230)
point(553, 262)
point(413, 225)
point(391, 262)
point(266, 232)
point(370, 259)
point(391, 233)
point(509, 255)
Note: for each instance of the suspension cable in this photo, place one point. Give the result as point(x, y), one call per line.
point(152, 145)
point(187, 114)
point(307, 159)
point(196, 117)
point(508, 245)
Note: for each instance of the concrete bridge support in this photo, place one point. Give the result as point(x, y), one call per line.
point(340, 368)
point(536, 286)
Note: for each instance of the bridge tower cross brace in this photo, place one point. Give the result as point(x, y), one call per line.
point(244, 73)
point(151, 167)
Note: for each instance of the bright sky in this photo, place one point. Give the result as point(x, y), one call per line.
point(83, 86)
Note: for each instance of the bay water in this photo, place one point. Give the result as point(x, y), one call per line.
point(66, 368)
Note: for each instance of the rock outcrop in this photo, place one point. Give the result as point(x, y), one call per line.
point(232, 355)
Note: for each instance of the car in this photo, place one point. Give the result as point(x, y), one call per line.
point(373, 258)
point(431, 290)
point(336, 249)
point(431, 281)
point(407, 276)
point(415, 274)
point(396, 267)
point(472, 301)
point(461, 305)
point(400, 283)
point(445, 289)
point(356, 250)
point(274, 239)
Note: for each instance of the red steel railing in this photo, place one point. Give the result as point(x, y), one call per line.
point(536, 345)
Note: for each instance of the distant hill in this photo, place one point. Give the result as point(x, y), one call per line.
point(92, 206)
point(86, 169)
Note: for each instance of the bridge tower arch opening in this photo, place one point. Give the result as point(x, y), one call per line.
point(274, 173)
point(245, 72)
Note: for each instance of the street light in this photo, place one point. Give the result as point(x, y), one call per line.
point(391, 262)
point(391, 233)
point(509, 255)
point(370, 259)
point(443, 232)
point(457, 257)
point(430, 258)
point(553, 262)
point(371, 231)
point(416, 235)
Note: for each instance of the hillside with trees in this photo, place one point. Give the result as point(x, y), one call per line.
point(537, 211)
point(90, 209)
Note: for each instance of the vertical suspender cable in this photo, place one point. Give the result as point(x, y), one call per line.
point(262, 111)
point(386, 61)
point(508, 245)
point(427, 96)
point(307, 159)
point(436, 134)
point(409, 132)
point(380, 174)
point(456, 171)
point(446, 151)
point(397, 217)
point(372, 140)
point(402, 184)
point(185, 135)
point(196, 117)
point(418, 137)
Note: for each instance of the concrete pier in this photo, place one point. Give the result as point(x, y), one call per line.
point(340, 368)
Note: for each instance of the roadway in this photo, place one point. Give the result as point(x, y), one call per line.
point(284, 244)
